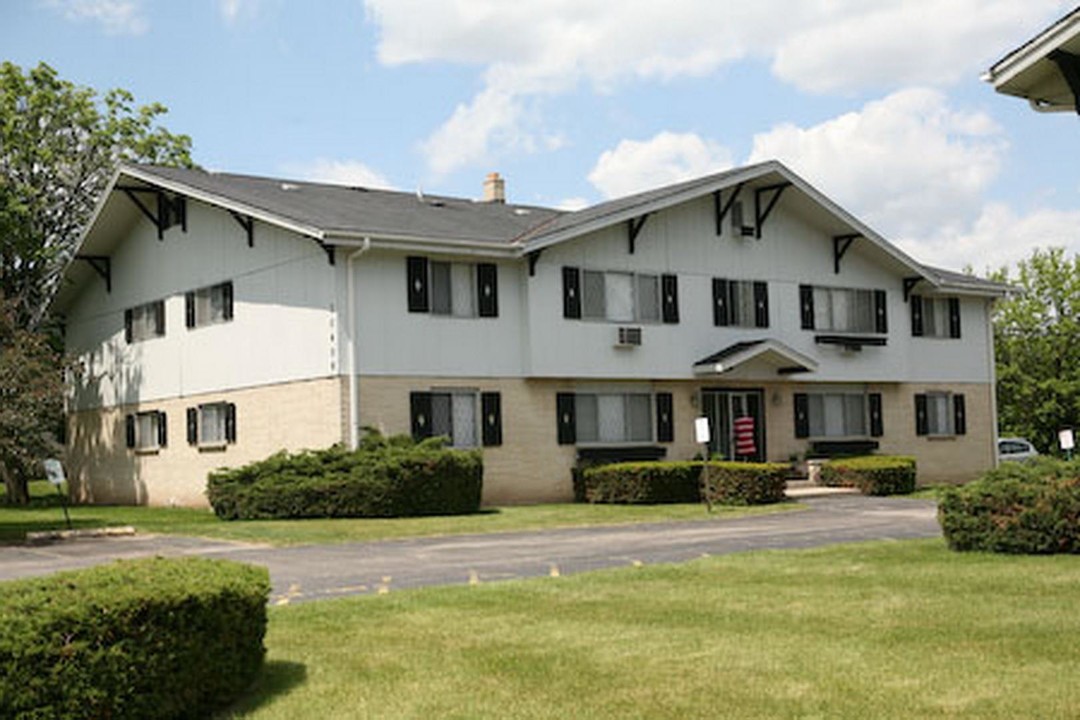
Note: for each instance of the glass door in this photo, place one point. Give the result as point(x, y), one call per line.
point(736, 423)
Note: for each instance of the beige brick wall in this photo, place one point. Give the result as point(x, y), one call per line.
point(270, 418)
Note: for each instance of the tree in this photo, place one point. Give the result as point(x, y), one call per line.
point(31, 401)
point(1037, 344)
point(59, 147)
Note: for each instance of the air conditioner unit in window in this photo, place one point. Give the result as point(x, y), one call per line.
point(628, 337)
point(737, 222)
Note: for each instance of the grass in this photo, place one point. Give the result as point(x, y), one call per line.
point(881, 630)
point(45, 513)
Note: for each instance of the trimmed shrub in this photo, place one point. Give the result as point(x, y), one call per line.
point(730, 483)
point(154, 638)
point(385, 477)
point(871, 474)
point(1031, 508)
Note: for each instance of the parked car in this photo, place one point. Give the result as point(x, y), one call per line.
point(1015, 448)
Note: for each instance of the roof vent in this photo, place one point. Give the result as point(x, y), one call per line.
point(494, 188)
point(289, 186)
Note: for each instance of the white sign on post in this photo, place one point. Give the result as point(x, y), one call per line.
point(701, 430)
point(54, 471)
point(1065, 439)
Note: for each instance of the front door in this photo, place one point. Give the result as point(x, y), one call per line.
point(736, 422)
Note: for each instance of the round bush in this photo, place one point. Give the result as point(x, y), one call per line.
point(154, 638)
point(1018, 508)
point(730, 483)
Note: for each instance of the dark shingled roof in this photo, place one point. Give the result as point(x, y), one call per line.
point(337, 209)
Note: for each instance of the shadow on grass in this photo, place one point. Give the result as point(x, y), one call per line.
point(278, 678)
point(14, 533)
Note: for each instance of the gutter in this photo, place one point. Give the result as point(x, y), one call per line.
point(351, 318)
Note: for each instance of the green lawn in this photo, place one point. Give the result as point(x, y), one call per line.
point(45, 514)
point(882, 630)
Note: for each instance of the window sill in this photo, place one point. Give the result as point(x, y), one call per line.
point(147, 451)
point(212, 447)
point(942, 438)
point(853, 342)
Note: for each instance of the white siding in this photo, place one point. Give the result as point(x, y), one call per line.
point(283, 327)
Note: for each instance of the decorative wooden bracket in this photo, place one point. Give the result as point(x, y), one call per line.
point(1069, 65)
point(329, 250)
point(761, 214)
point(102, 265)
point(909, 285)
point(840, 244)
point(534, 257)
point(634, 226)
point(168, 211)
point(248, 223)
point(723, 208)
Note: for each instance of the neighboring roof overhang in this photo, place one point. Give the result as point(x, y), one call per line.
point(770, 356)
point(1045, 70)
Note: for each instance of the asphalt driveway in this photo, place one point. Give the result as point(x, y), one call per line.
point(323, 571)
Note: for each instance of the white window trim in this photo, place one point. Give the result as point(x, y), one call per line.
point(154, 446)
point(870, 330)
point(634, 283)
point(617, 443)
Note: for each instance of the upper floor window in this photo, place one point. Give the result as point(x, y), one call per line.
point(452, 288)
point(935, 316)
point(147, 430)
point(843, 309)
point(740, 303)
point(145, 321)
point(620, 296)
point(209, 305)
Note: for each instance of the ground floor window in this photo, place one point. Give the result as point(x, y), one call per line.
point(614, 417)
point(940, 414)
point(211, 424)
point(147, 430)
point(468, 418)
point(838, 414)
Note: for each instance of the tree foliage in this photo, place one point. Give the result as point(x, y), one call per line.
point(1037, 341)
point(31, 401)
point(59, 146)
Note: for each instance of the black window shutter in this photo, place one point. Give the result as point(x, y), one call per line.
point(227, 299)
point(230, 423)
point(487, 289)
point(129, 430)
point(193, 426)
point(417, 279)
point(669, 285)
point(881, 319)
point(189, 309)
point(128, 321)
point(954, 317)
point(761, 304)
point(802, 415)
point(916, 315)
point(420, 414)
point(491, 408)
point(159, 318)
point(162, 430)
point(720, 302)
point(959, 415)
point(567, 420)
point(877, 424)
point(806, 304)
point(922, 426)
point(665, 418)
point(571, 293)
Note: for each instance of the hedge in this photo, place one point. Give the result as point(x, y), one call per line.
point(1031, 508)
point(730, 483)
point(391, 477)
point(871, 474)
point(154, 638)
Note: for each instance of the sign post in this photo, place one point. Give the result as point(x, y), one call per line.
point(702, 436)
point(1066, 441)
point(54, 473)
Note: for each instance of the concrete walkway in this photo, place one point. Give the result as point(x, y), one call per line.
point(324, 571)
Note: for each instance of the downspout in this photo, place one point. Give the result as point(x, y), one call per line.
point(993, 381)
point(351, 320)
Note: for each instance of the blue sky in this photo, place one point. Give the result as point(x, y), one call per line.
point(877, 103)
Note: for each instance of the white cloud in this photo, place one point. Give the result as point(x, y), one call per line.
point(666, 158)
point(117, 17)
point(573, 203)
point(340, 172)
point(548, 47)
point(233, 10)
point(908, 164)
point(999, 237)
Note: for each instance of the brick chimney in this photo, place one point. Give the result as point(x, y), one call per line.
point(494, 188)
